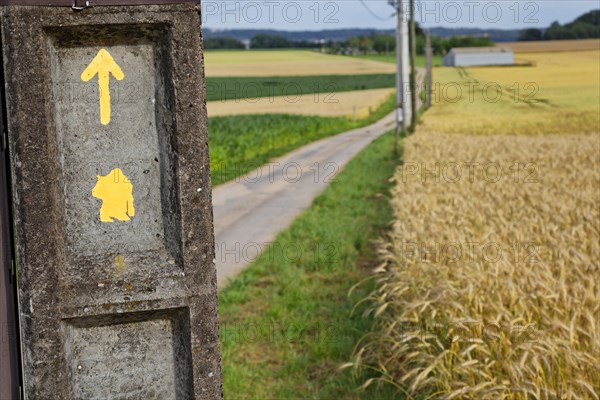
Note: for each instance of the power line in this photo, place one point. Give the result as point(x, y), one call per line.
point(373, 14)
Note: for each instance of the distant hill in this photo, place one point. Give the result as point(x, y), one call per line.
point(296, 36)
point(338, 35)
point(585, 26)
point(495, 35)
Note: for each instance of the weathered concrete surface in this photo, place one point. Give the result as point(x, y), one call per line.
point(139, 363)
point(127, 309)
point(249, 212)
point(130, 142)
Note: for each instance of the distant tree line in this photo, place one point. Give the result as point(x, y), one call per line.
point(375, 43)
point(222, 43)
point(264, 41)
point(586, 26)
point(385, 44)
point(365, 44)
point(260, 41)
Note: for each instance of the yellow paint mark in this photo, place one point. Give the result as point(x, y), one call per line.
point(120, 264)
point(103, 65)
point(116, 193)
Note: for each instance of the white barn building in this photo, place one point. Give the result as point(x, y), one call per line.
point(474, 56)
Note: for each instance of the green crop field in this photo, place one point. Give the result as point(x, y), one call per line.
point(239, 144)
point(234, 88)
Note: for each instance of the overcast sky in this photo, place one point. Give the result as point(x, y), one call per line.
point(296, 15)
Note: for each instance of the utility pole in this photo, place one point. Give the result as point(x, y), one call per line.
point(405, 64)
point(402, 106)
point(429, 56)
point(413, 67)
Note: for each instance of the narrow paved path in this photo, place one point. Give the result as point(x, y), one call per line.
point(250, 211)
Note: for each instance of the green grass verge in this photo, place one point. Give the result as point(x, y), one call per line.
point(239, 144)
point(287, 322)
point(391, 58)
point(237, 88)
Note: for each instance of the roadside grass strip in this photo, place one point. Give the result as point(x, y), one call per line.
point(287, 322)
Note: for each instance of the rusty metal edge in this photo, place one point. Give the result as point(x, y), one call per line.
point(10, 361)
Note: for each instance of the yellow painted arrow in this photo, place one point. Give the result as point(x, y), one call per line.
point(103, 65)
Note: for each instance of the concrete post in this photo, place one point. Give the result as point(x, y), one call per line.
point(403, 102)
point(405, 64)
point(400, 109)
point(413, 68)
point(108, 144)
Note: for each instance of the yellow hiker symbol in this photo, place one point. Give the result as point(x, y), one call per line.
point(116, 193)
point(103, 65)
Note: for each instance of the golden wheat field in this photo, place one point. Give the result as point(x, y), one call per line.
point(545, 46)
point(558, 94)
point(355, 104)
point(288, 63)
point(489, 282)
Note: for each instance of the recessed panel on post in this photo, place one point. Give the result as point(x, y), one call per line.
point(112, 203)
